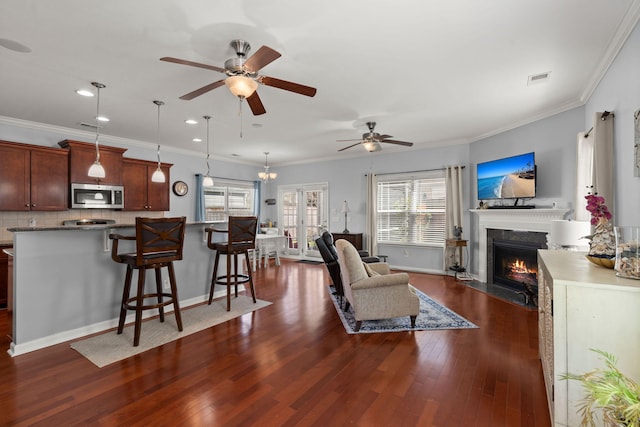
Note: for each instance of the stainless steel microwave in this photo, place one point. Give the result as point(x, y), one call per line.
point(95, 196)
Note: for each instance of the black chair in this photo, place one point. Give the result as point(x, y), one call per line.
point(241, 238)
point(159, 242)
point(330, 257)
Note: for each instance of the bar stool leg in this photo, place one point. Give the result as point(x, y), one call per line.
point(253, 292)
point(159, 291)
point(228, 282)
point(125, 297)
point(235, 273)
point(214, 276)
point(174, 295)
point(139, 305)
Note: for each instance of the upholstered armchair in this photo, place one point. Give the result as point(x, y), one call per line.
point(330, 256)
point(372, 291)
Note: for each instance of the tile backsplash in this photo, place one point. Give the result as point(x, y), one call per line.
point(54, 219)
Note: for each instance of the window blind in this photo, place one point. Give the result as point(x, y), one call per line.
point(228, 198)
point(411, 208)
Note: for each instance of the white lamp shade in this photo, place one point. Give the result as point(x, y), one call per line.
point(564, 233)
point(207, 181)
point(345, 207)
point(158, 176)
point(241, 86)
point(96, 170)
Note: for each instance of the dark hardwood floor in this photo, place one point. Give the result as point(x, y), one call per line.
point(293, 364)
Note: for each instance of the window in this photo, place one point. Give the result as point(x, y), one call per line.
point(228, 198)
point(411, 208)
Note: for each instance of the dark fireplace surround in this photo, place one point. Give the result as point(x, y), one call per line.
point(512, 260)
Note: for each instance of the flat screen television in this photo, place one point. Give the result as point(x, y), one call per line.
point(508, 178)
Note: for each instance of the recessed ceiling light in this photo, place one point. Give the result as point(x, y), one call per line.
point(197, 139)
point(102, 118)
point(235, 155)
point(538, 78)
point(191, 122)
point(84, 92)
point(256, 125)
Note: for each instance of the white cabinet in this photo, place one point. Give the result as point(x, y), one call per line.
point(583, 306)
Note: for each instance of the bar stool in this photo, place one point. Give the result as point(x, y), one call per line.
point(241, 238)
point(159, 242)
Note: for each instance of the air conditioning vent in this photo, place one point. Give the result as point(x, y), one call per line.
point(538, 78)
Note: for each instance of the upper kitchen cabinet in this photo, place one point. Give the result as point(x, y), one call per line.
point(33, 178)
point(82, 155)
point(140, 193)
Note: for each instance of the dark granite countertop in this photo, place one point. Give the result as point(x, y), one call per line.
point(88, 227)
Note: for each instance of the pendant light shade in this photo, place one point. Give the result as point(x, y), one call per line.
point(97, 170)
point(207, 181)
point(158, 175)
point(265, 175)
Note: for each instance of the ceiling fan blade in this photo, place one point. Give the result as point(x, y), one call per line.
point(381, 137)
point(263, 57)
point(192, 64)
point(291, 87)
point(189, 96)
point(352, 145)
point(256, 104)
point(348, 140)
point(391, 141)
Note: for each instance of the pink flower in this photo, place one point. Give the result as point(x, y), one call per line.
point(597, 208)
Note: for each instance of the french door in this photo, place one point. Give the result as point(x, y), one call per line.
point(303, 212)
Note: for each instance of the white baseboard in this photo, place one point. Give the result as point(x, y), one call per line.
point(60, 337)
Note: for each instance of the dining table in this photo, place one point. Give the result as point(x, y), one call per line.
point(267, 244)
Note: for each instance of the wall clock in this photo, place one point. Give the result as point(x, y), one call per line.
point(180, 188)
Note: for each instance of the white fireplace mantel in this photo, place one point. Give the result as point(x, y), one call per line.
point(511, 219)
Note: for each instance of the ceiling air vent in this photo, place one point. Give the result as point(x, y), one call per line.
point(538, 78)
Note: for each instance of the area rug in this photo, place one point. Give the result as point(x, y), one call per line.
point(110, 347)
point(433, 316)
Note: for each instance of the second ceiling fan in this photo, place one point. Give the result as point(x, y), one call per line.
point(242, 75)
point(371, 140)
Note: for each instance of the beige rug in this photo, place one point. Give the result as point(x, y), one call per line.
point(110, 347)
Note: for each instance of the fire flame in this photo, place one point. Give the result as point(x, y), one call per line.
point(519, 266)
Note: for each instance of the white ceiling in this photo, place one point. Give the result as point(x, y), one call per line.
point(429, 72)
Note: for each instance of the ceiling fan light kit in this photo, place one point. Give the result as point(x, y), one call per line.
point(371, 140)
point(241, 86)
point(243, 75)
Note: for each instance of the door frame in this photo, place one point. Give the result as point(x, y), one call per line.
point(301, 232)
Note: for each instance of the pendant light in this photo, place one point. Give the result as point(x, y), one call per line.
point(207, 181)
point(97, 170)
point(158, 175)
point(267, 176)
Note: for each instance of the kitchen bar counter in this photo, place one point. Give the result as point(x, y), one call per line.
point(67, 286)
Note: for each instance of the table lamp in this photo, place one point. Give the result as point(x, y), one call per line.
point(345, 210)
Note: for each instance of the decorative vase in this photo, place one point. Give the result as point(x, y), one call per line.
point(603, 240)
point(627, 252)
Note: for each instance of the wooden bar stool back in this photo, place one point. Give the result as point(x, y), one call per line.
point(159, 242)
point(241, 239)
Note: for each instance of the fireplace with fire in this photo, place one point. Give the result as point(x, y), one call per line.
point(512, 259)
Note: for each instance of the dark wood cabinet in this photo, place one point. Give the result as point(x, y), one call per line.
point(354, 238)
point(83, 154)
point(33, 178)
point(140, 193)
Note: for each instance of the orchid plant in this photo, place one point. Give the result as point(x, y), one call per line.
point(597, 208)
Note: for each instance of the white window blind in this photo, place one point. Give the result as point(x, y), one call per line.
point(228, 198)
point(411, 208)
